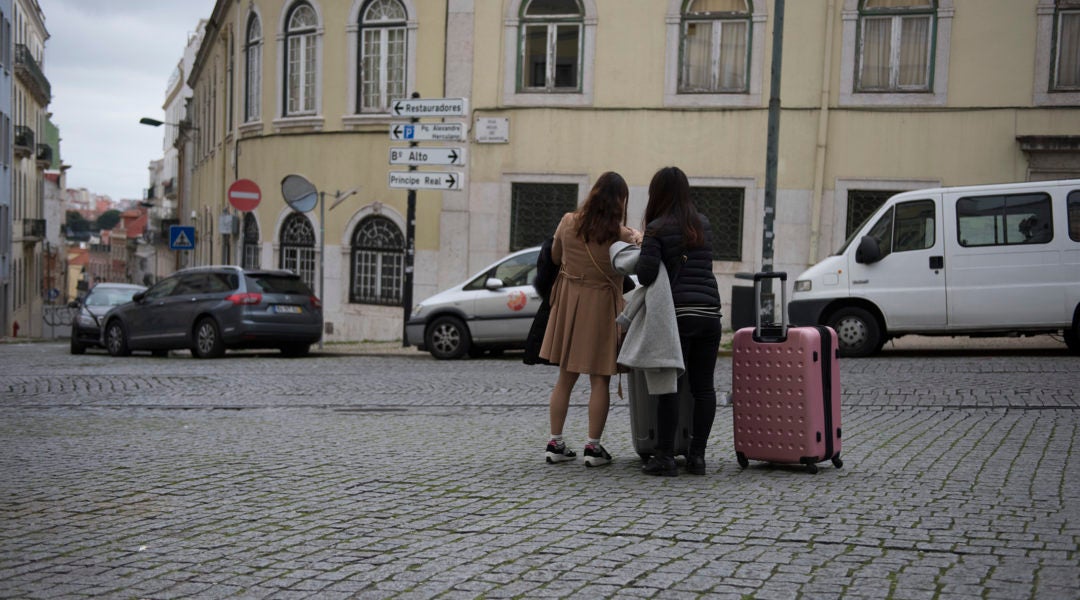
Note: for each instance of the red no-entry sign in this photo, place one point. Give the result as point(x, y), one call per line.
point(244, 195)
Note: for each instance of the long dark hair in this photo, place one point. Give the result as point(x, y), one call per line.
point(604, 210)
point(669, 194)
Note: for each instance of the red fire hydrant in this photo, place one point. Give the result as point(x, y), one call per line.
point(15, 329)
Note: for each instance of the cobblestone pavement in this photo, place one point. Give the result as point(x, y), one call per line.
point(347, 475)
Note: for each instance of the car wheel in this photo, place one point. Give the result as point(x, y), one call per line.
point(857, 331)
point(447, 338)
point(208, 342)
point(76, 347)
point(116, 339)
point(295, 350)
point(1072, 335)
point(1072, 340)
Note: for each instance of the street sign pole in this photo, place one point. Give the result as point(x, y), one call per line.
point(410, 251)
point(772, 159)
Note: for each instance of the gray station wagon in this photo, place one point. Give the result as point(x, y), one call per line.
point(210, 309)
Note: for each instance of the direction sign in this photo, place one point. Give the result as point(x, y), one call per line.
point(424, 180)
point(427, 132)
point(430, 107)
point(427, 156)
point(244, 195)
point(181, 237)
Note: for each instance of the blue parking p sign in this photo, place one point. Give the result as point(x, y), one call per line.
point(181, 237)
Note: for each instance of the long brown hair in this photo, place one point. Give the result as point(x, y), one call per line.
point(604, 211)
point(669, 194)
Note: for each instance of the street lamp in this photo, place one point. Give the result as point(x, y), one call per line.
point(181, 142)
point(156, 123)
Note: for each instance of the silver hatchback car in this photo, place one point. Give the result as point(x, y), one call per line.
point(492, 310)
point(211, 309)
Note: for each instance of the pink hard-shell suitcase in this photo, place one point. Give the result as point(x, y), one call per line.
point(785, 390)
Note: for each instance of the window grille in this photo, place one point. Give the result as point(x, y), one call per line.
point(378, 262)
point(298, 248)
point(862, 204)
point(723, 206)
point(536, 209)
point(251, 242)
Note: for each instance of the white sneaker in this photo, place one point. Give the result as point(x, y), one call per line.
point(595, 455)
point(557, 453)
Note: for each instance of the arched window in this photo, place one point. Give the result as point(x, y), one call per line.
point(253, 70)
point(250, 255)
point(300, 60)
point(383, 53)
point(715, 46)
point(895, 45)
point(1066, 60)
point(298, 248)
point(551, 41)
point(378, 262)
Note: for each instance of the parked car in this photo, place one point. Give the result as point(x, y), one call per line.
point(86, 326)
point(492, 310)
point(211, 309)
point(991, 260)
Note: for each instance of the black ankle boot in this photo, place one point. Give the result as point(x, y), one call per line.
point(662, 463)
point(695, 464)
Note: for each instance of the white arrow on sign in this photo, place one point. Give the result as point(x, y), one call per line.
point(430, 107)
point(427, 132)
point(427, 156)
point(424, 180)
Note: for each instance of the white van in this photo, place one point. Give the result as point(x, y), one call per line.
point(992, 260)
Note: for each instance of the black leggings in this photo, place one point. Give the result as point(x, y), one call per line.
point(700, 340)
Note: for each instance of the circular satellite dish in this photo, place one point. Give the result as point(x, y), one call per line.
point(299, 193)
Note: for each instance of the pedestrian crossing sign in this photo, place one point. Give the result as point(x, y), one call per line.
point(181, 237)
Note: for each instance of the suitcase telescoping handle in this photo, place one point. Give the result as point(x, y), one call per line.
point(770, 332)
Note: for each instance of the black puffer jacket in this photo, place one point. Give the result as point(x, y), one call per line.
point(693, 282)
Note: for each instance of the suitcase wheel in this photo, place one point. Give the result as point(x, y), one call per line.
point(836, 462)
point(811, 468)
point(743, 461)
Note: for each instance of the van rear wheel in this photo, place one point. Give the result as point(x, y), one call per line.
point(857, 331)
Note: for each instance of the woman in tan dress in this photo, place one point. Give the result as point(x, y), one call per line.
point(581, 335)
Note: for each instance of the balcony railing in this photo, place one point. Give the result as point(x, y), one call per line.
point(44, 156)
point(24, 141)
point(33, 229)
point(27, 69)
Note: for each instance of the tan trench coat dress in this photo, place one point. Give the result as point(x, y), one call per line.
point(581, 334)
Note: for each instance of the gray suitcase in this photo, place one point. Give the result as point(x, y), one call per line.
point(643, 416)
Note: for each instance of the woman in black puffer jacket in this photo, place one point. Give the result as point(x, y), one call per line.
point(680, 237)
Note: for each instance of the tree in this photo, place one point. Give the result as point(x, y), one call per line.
point(78, 228)
point(108, 219)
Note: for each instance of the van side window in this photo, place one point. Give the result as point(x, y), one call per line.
point(1004, 220)
point(882, 232)
point(1074, 215)
point(914, 226)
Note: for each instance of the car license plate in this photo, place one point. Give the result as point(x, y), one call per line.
point(287, 308)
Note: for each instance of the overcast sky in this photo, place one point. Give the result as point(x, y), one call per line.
point(108, 62)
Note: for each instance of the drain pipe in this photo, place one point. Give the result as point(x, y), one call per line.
point(822, 134)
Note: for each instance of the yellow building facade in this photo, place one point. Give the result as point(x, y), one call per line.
point(876, 97)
